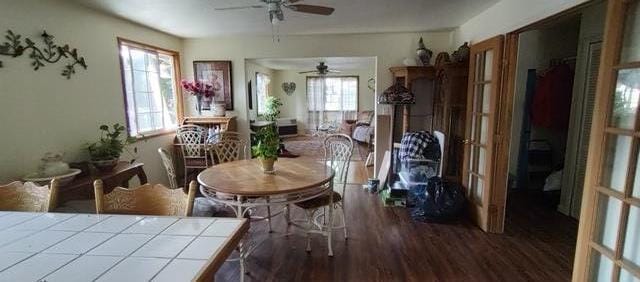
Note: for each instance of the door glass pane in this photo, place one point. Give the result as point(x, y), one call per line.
point(626, 276)
point(636, 181)
point(607, 221)
point(478, 98)
point(488, 65)
point(601, 268)
point(473, 128)
point(616, 162)
point(484, 130)
point(481, 160)
point(625, 101)
point(486, 95)
point(631, 44)
point(479, 189)
point(474, 158)
point(631, 251)
point(479, 67)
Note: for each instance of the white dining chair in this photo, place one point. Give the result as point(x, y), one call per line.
point(338, 149)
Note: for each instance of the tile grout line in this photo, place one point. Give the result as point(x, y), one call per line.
point(145, 243)
point(186, 246)
point(32, 234)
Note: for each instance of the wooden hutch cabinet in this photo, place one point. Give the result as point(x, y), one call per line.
point(406, 76)
point(450, 104)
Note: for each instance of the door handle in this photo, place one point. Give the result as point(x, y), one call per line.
point(466, 141)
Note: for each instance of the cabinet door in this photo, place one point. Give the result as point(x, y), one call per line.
point(608, 247)
point(483, 92)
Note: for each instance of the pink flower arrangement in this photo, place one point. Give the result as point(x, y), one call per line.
point(197, 88)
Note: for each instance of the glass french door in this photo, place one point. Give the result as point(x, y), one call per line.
point(608, 247)
point(484, 89)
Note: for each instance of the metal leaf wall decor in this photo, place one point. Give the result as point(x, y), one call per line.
point(49, 53)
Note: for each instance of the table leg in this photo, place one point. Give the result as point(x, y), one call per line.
point(330, 219)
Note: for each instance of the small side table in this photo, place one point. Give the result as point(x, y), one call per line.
point(82, 187)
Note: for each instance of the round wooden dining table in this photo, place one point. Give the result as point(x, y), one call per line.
point(243, 186)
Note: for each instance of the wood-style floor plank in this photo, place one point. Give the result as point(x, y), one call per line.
point(386, 245)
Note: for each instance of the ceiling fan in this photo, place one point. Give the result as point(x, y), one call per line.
point(321, 69)
point(274, 8)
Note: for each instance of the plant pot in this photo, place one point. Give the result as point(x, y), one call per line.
point(105, 165)
point(267, 165)
point(219, 109)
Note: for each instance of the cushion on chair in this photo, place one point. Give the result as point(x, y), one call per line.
point(319, 201)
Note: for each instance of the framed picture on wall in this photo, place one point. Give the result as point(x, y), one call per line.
point(218, 74)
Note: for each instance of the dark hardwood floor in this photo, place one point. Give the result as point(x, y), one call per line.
point(386, 245)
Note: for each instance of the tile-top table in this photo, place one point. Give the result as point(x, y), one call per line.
point(87, 247)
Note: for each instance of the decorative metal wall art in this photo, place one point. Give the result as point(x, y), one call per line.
point(289, 87)
point(50, 53)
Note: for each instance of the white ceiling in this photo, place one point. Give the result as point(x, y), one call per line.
point(301, 64)
point(197, 18)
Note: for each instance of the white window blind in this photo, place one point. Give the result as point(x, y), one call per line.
point(150, 90)
point(333, 94)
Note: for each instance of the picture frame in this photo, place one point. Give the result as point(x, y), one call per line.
point(219, 74)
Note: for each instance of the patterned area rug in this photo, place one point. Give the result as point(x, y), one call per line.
point(308, 146)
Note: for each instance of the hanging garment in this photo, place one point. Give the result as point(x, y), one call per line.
point(551, 103)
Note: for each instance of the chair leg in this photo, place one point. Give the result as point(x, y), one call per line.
point(344, 222)
point(269, 215)
point(287, 217)
point(186, 177)
point(330, 230)
point(309, 214)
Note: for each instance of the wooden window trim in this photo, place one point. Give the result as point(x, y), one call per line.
point(177, 75)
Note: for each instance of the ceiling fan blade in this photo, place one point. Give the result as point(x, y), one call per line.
point(311, 9)
point(303, 72)
point(240, 7)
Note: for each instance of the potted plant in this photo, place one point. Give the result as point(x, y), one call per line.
point(106, 153)
point(267, 138)
point(266, 149)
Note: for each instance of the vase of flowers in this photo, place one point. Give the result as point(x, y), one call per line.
point(202, 91)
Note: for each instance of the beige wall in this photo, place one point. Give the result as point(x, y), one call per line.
point(295, 106)
point(390, 49)
point(41, 111)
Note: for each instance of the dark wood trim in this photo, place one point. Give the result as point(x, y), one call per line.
point(557, 16)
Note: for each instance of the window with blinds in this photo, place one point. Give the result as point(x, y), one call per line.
point(149, 78)
point(333, 94)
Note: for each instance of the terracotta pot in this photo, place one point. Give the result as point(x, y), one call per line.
point(105, 165)
point(267, 165)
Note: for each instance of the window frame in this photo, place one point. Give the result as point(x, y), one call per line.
point(258, 114)
point(357, 77)
point(178, 89)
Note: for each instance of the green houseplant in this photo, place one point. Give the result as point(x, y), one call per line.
point(267, 138)
point(105, 153)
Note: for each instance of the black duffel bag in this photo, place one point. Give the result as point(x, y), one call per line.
point(438, 201)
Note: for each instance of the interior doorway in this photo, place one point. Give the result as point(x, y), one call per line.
point(555, 80)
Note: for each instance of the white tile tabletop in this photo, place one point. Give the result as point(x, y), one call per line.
point(82, 247)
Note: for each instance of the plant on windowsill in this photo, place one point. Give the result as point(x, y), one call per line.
point(268, 140)
point(105, 153)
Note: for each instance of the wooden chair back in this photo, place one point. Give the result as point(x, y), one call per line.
point(18, 196)
point(147, 199)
